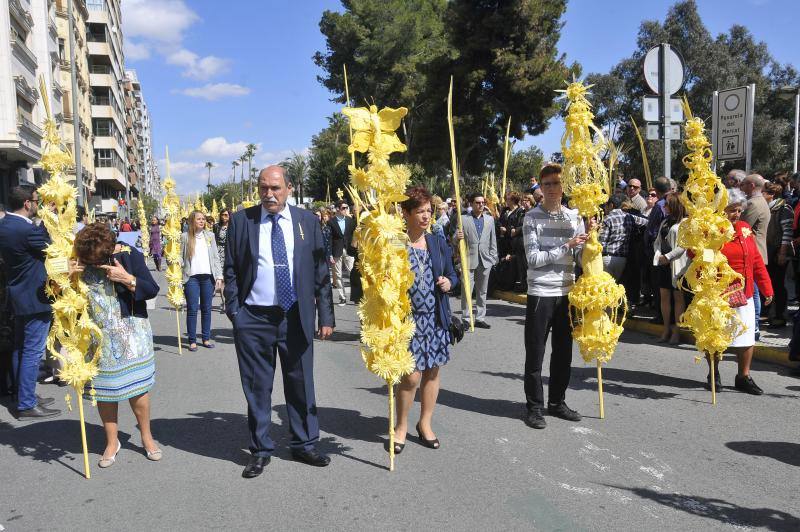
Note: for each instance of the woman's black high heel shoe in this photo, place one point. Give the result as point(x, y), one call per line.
point(398, 447)
point(430, 444)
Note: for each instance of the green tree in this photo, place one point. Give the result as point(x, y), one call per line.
point(522, 165)
point(502, 55)
point(728, 60)
point(296, 170)
point(328, 159)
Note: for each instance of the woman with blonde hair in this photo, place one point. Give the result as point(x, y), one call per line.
point(202, 276)
point(671, 262)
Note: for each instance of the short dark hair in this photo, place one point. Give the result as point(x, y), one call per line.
point(95, 243)
point(616, 200)
point(19, 195)
point(416, 196)
point(550, 169)
point(474, 195)
point(662, 185)
point(513, 197)
point(340, 203)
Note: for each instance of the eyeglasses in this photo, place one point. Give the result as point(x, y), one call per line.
point(652, 195)
point(344, 208)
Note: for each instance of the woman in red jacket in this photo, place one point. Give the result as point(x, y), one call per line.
point(744, 258)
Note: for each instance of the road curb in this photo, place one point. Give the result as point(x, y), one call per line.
point(764, 353)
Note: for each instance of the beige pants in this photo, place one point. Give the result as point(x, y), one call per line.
point(341, 266)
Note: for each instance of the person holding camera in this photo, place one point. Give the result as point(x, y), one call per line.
point(434, 276)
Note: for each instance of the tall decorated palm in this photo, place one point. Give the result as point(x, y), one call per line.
point(234, 164)
point(242, 160)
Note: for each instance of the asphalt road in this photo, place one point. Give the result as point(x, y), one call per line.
point(664, 458)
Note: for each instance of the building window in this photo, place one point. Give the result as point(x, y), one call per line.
point(96, 5)
point(104, 158)
point(61, 50)
point(103, 127)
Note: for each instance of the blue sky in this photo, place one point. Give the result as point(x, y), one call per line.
point(219, 74)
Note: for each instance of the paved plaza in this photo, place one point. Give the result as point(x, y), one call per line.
point(663, 459)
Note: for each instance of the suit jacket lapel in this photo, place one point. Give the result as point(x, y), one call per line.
point(433, 251)
point(298, 238)
point(254, 232)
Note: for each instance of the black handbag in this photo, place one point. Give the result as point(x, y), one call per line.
point(457, 329)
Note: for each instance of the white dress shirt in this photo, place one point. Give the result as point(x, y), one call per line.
point(263, 292)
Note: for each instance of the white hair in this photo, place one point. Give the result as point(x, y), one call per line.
point(736, 197)
point(738, 175)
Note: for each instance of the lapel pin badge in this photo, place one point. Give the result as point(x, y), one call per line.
point(300, 227)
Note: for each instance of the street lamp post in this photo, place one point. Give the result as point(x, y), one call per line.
point(796, 92)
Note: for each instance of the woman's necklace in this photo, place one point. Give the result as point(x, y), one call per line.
point(420, 261)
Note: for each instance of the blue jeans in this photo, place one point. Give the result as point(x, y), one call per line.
point(199, 291)
point(30, 339)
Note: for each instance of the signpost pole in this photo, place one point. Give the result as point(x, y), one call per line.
point(796, 127)
point(751, 103)
point(664, 111)
point(714, 115)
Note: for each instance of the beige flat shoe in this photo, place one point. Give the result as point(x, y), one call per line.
point(155, 456)
point(108, 462)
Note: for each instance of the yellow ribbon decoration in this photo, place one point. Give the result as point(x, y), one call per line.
point(172, 249)
point(144, 228)
point(73, 333)
point(385, 310)
point(596, 299)
point(709, 276)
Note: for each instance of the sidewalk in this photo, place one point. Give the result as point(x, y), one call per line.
point(773, 346)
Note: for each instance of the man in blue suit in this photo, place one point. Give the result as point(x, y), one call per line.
point(277, 285)
point(22, 244)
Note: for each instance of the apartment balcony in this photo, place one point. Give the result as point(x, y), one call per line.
point(111, 176)
point(25, 89)
point(23, 53)
point(52, 28)
point(26, 126)
point(99, 47)
point(61, 8)
point(101, 80)
point(65, 64)
point(21, 13)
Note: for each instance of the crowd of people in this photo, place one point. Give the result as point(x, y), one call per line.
point(281, 270)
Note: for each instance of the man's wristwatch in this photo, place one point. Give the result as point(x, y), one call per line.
point(132, 284)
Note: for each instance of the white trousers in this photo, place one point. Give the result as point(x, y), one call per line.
point(341, 266)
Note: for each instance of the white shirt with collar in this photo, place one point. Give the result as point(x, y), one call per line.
point(263, 292)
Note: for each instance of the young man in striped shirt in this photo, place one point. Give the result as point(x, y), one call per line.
point(552, 234)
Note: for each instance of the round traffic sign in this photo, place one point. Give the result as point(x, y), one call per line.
point(652, 68)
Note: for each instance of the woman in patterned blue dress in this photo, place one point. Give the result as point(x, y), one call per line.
point(434, 276)
point(118, 285)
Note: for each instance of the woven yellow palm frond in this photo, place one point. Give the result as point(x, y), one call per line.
point(385, 310)
point(709, 315)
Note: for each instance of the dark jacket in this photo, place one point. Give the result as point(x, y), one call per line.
point(309, 266)
point(135, 302)
point(22, 245)
point(441, 266)
point(341, 241)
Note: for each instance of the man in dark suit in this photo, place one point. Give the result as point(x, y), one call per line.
point(22, 244)
point(276, 281)
point(342, 227)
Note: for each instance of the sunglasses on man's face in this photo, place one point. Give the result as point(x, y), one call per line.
point(652, 195)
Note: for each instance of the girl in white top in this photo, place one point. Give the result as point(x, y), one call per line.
point(202, 276)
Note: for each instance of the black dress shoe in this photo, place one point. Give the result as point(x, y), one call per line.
point(255, 466)
point(482, 325)
point(535, 419)
point(37, 412)
point(563, 411)
point(311, 457)
point(44, 401)
point(744, 383)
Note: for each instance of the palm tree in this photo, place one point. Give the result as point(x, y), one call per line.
point(234, 164)
point(242, 160)
point(249, 152)
point(296, 169)
point(209, 165)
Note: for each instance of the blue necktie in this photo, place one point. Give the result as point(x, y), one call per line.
point(283, 279)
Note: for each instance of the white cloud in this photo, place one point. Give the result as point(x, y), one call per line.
point(197, 67)
point(161, 21)
point(219, 147)
point(135, 51)
point(214, 91)
point(274, 157)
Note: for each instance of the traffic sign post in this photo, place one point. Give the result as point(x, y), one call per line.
point(664, 73)
point(732, 134)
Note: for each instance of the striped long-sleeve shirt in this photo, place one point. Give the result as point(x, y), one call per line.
point(551, 263)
